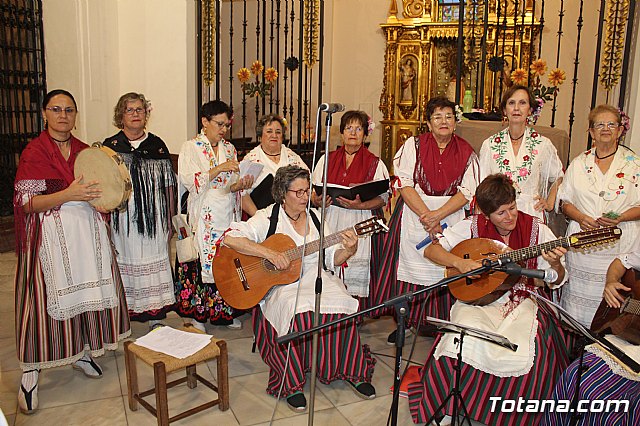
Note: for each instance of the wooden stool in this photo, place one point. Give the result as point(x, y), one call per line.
point(163, 364)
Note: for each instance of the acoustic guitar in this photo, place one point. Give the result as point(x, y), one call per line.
point(623, 322)
point(244, 280)
point(493, 284)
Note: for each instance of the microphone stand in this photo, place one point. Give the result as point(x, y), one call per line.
point(318, 287)
point(400, 303)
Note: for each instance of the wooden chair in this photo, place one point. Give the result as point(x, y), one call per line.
point(163, 364)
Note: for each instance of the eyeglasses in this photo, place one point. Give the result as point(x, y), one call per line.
point(601, 125)
point(355, 129)
point(277, 132)
point(58, 110)
point(299, 192)
point(131, 111)
point(222, 124)
point(440, 118)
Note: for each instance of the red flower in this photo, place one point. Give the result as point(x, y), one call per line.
point(525, 158)
point(505, 162)
point(620, 175)
point(497, 140)
point(588, 152)
point(621, 187)
point(534, 134)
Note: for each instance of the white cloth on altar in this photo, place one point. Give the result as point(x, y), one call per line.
point(413, 267)
point(594, 194)
point(211, 204)
point(356, 275)
point(75, 255)
point(279, 306)
point(533, 171)
point(520, 326)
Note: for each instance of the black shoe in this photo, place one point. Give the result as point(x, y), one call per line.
point(364, 390)
point(297, 402)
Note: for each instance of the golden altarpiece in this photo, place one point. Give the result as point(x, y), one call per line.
point(421, 58)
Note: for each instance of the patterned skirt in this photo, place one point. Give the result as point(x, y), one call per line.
point(477, 387)
point(598, 383)
point(198, 300)
point(384, 282)
point(341, 355)
point(43, 342)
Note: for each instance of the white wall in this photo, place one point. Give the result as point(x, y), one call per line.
point(99, 50)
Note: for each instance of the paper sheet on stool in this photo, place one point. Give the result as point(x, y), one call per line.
point(177, 343)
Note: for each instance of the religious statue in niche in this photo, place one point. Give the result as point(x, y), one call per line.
point(408, 80)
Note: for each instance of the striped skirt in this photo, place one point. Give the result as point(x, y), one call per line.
point(341, 356)
point(384, 262)
point(41, 341)
point(597, 383)
point(477, 387)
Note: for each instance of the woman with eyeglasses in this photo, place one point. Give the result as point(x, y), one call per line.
point(352, 163)
point(600, 189)
point(141, 232)
point(70, 304)
point(437, 177)
point(290, 307)
point(208, 169)
point(272, 154)
point(525, 156)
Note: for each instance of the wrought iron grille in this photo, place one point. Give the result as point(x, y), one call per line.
point(22, 87)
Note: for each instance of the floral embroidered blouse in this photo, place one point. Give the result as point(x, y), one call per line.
point(211, 204)
point(533, 171)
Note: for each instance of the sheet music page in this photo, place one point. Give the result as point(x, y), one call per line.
point(250, 168)
point(176, 343)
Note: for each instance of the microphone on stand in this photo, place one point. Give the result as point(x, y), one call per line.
point(331, 108)
point(547, 275)
point(497, 263)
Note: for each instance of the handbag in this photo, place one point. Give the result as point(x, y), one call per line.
point(186, 245)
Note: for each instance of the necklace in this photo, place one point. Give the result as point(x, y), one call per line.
point(59, 141)
point(267, 154)
point(351, 153)
point(504, 235)
point(135, 139)
point(296, 219)
point(518, 138)
point(606, 156)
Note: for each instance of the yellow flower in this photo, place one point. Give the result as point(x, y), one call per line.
point(256, 67)
point(538, 67)
point(557, 77)
point(243, 75)
point(271, 75)
point(519, 76)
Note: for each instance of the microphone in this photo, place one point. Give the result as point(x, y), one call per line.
point(499, 262)
point(427, 240)
point(547, 275)
point(331, 108)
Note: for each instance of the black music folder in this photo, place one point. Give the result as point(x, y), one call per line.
point(366, 191)
point(261, 194)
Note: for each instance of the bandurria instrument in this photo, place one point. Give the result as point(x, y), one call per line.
point(492, 285)
point(244, 280)
point(106, 166)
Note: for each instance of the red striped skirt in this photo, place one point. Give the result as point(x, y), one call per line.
point(384, 261)
point(436, 380)
point(341, 356)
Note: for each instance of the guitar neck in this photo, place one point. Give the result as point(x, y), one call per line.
point(535, 251)
point(314, 246)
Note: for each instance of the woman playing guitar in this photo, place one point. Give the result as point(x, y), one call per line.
point(542, 352)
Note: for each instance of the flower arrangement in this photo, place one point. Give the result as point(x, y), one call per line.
point(458, 112)
point(257, 88)
point(370, 124)
point(624, 122)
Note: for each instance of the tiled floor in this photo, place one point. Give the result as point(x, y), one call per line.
point(68, 398)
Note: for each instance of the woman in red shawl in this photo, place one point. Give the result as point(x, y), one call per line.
point(437, 175)
point(70, 303)
point(350, 164)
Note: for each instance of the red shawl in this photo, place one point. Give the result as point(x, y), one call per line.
point(441, 173)
point(362, 168)
point(42, 170)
